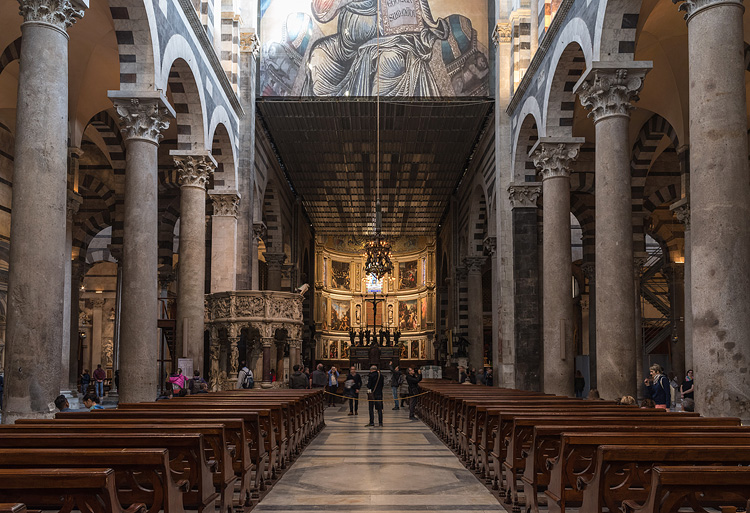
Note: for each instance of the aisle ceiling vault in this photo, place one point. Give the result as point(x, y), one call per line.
point(329, 151)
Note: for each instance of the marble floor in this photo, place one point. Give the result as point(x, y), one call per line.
point(401, 466)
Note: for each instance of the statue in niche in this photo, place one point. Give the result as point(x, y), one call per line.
point(358, 314)
point(390, 315)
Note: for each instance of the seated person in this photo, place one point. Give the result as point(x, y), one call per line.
point(91, 401)
point(62, 404)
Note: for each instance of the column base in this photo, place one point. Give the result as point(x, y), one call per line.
point(266, 384)
point(12, 417)
point(112, 398)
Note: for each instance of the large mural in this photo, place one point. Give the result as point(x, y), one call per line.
point(423, 48)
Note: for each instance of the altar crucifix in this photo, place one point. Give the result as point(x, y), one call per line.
point(375, 302)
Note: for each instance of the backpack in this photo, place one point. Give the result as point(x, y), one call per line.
point(248, 382)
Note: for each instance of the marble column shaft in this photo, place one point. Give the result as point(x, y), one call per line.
point(143, 120)
point(37, 257)
point(589, 270)
point(74, 202)
point(475, 310)
point(193, 172)
point(77, 272)
point(607, 90)
point(274, 262)
point(266, 378)
point(719, 207)
point(681, 210)
point(224, 241)
point(553, 157)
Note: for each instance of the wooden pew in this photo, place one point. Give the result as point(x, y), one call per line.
point(186, 452)
point(90, 490)
point(12, 507)
point(141, 475)
point(673, 488)
point(216, 445)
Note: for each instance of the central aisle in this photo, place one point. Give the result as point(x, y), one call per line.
point(403, 465)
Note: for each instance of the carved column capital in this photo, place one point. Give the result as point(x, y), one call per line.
point(639, 263)
point(73, 204)
point(97, 302)
point(589, 271)
point(143, 116)
point(193, 169)
point(552, 156)
point(267, 341)
point(693, 7)
point(61, 14)
point(259, 231)
point(524, 194)
point(474, 264)
point(249, 42)
point(609, 88)
point(490, 246)
point(681, 210)
point(502, 32)
point(226, 204)
point(461, 273)
point(274, 261)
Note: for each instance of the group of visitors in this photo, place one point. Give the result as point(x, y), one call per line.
point(178, 385)
point(660, 391)
point(90, 401)
point(98, 378)
point(483, 377)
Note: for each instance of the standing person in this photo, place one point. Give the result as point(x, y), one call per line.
point(462, 376)
point(375, 395)
point(413, 379)
point(488, 377)
point(579, 383)
point(318, 379)
point(297, 380)
point(657, 388)
point(85, 381)
point(396, 379)
point(245, 377)
point(307, 374)
point(473, 376)
point(195, 383)
point(351, 389)
point(482, 376)
point(99, 377)
point(332, 380)
point(688, 386)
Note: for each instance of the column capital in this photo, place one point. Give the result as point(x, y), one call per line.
point(681, 210)
point(143, 116)
point(274, 260)
point(639, 262)
point(249, 43)
point(193, 168)
point(693, 7)
point(524, 194)
point(61, 14)
point(589, 271)
point(490, 245)
point(73, 204)
point(552, 156)
point(608, 88)
point(98, 302)
point(502, 32)
point(267, 341)
point(259, 230)
point(584, 302)
point(461, 272)
point(474, 264)
point(226, 204)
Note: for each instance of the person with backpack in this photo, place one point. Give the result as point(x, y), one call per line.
point(245, 378)
point(397, 378)
point(195, 383)
point(657, 388)
point(178, 380)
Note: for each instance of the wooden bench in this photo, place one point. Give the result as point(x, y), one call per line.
point(90, 490)
point(187, 456)
point(141, 475)
point(11, 507)
point(673, 488)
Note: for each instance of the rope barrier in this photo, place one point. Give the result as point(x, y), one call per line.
point(374, 400)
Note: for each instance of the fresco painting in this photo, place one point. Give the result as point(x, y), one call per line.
point(422, 48)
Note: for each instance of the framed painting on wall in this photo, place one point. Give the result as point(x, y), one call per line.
point(423, 312)
point(407, 275)
point(340, 275)
point(407, 315)
point(340, 315)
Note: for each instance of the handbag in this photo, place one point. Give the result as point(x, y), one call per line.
point(370, 393)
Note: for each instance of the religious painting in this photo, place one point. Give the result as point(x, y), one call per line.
point(324, 313)
point(407, 275)
point(333, 354)
point(340, 315)
point(424, 271)
point(422, 350)
point(423, 312)
point(326, 344)
point(340, 275)
point(344, 350)
point(407, 315)
point(415, 349)
point(324, 48)
point(403, 352)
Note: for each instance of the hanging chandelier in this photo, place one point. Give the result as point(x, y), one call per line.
point(378, 249)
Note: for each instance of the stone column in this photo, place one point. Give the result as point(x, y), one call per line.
point(193, 171)
point(143, 118)
point(224, 241)
point(259, 231)
point(295, 352)
point(589, 271)
point(640, 350)
point(677, 279)
point(97, 314)
point(74, 202)
point(474, 302)
point(552, 157)
point(527, 329)
point(274, 263)
point(681, 210)
point(490, 248)
point(77, 272)
point(719, 206)
point(266, 378)
point(607, 90)
point(37, 255)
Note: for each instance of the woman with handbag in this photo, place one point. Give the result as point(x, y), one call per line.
point(375, 395)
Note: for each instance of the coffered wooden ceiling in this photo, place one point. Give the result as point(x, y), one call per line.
point(329, 151)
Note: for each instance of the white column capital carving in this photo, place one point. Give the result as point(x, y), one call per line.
point(502, 32)
point(693, 7)
point(193, 169)
point(61, 14)
point(552, 156)
point(681, 210)
point(143, 116)
point(226, 204)
point(524, 194)
point(609, 88)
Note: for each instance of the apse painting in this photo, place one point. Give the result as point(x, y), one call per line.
point(423, 316)
point(324, 313)
point(425, 48)
point(340, 315)
point(407, 275)
point(415, 349)
point(340, 275)
point(407, 315)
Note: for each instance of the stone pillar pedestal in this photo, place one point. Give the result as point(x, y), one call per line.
point(266, 378)
point(224, 241)
point(552, 157)
point(193, 171)
point(719, 207)
point(74, 202)
point(476, 326)
point(607, 90)
point(37, 256)
point(274, 264)
point(143, 118)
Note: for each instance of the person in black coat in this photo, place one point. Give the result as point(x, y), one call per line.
point(413, 379)
point(375, 385)
point(351, 390)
